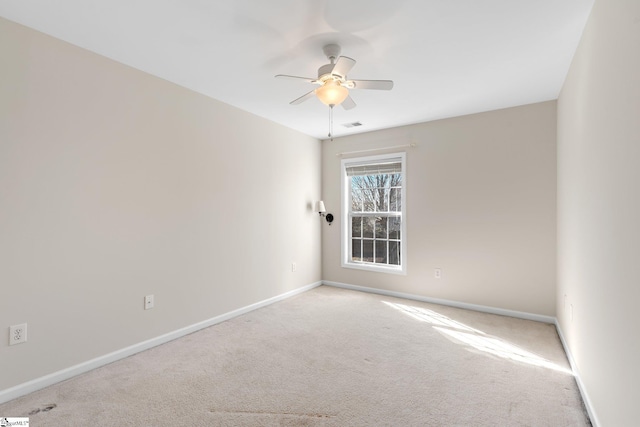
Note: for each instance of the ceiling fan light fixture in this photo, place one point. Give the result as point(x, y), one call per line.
point(332, 93)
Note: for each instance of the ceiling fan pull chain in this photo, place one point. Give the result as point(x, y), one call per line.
point(331, 122)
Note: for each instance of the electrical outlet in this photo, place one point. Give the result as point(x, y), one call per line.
point(437, 273)
point(17, 334)
point(148, 302)
point(294, 267)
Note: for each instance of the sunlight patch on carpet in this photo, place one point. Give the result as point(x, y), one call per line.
point(464, 334)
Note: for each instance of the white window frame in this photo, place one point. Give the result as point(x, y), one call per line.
point(346, 215)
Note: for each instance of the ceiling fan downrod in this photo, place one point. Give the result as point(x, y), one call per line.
point(332, 52)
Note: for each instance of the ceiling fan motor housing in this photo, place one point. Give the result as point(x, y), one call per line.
point(332, 52)
point(324, 72)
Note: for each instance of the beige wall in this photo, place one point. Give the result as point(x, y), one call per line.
point(481, 205)
point(115, 184)
point(599, 210)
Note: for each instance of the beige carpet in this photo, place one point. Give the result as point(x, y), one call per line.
point(330, 357)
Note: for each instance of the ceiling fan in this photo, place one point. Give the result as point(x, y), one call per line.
point(332, 80)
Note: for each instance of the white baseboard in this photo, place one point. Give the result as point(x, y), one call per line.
point(450, 303)
point(64, 374)
point(576, 373)
point(47, 380)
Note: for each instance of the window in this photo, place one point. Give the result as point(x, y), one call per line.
point(373, 224)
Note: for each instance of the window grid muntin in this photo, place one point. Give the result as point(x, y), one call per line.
point(374, 238)
point(386, 191)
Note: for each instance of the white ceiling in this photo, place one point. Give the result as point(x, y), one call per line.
point(446, 57)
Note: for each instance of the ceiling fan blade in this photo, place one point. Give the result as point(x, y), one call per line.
point(307, 79)
point(344, 64)
point(348, 103)
point(303, 98)
point(371, 84)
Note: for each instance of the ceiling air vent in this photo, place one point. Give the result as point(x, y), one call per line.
point(352, 125)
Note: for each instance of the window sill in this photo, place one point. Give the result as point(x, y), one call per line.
point(375, 268)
